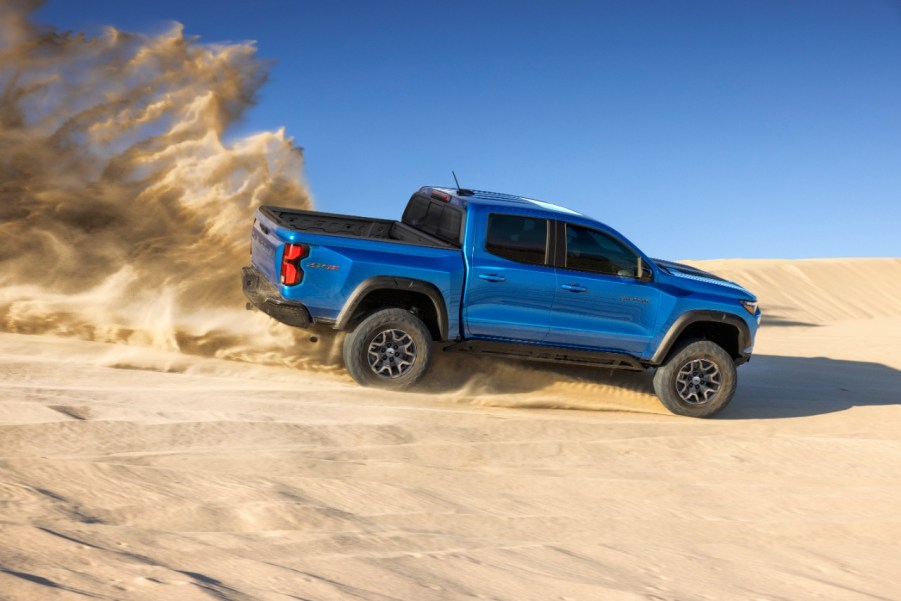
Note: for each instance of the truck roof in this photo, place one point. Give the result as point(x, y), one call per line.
point(463, 198)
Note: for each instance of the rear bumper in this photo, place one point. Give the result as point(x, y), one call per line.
point(263, 295)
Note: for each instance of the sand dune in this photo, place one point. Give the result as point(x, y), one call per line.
point(818, 291)
point(136, 473)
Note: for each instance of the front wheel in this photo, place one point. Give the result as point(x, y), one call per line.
point(698, 380)
point(391, 348)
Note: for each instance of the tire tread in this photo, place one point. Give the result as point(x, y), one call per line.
point(664, 378)
point(356, 348)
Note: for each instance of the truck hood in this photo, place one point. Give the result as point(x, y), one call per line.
point(687, 272)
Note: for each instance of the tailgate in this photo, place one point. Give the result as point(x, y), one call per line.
point(263, 246)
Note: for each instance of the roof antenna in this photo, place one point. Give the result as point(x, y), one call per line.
point(461, 191)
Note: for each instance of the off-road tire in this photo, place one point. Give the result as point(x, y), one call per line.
point(685, 381)
point(381, 331)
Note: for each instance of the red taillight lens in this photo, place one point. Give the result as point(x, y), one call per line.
point(295, 251)
point(291, 273)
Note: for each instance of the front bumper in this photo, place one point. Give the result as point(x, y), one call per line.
point(263, 295)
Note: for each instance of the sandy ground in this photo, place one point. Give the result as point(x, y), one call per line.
point(129, 473)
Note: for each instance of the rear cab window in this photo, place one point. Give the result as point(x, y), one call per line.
point(436, 218)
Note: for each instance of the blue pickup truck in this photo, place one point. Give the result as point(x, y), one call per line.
point(500, 275)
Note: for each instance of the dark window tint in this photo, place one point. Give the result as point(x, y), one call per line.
point(435, 217)
point(517, 238)
point(594, 251)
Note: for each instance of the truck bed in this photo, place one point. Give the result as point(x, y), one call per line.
point(351, 226)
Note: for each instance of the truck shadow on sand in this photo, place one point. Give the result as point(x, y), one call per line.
point(773, 386)
point(769, 387)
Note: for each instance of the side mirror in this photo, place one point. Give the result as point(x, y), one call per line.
point(645, 274)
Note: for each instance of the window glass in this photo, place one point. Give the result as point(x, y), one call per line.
point(517, 238)
point(436, 218)
point(594, 251)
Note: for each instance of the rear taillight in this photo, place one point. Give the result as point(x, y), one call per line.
point(291, 272)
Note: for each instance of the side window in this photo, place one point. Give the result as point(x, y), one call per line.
point(518, 238)
point(594, 251)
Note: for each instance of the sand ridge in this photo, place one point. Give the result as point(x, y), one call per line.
point(128, 472)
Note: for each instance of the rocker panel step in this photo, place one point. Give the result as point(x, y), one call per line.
point(548, 354)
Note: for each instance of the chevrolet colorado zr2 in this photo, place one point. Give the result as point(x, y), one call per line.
point(505, 276)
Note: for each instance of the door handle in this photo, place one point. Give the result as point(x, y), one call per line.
point(574, 288)
point(492, 277)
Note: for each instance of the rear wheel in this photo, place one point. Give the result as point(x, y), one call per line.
point(698, 380)
point(391, 348)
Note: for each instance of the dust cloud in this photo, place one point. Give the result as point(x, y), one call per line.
point(124, 210)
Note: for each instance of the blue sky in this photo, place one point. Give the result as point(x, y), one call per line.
point(698, 129)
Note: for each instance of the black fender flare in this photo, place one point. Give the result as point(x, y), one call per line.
point(373, 284)
point(691, 317)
